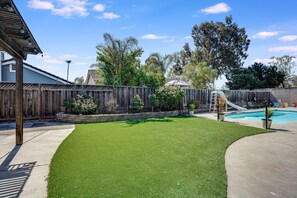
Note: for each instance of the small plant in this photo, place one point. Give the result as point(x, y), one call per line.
point(196, 103)
point(83, 104)
point(111, 105)
point(136, 104)
point(192, 106)
point(154, 102)
point(269, 113)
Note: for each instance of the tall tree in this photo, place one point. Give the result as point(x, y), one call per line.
point(199, 74)
point(294, 81)
point(223, 46)
point(118, 60)
point(154, 70)
point(157, 63)
point(255, 76)
point(285, 64)
point(79, 80)
point(177, 63)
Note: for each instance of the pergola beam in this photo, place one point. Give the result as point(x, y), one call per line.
point(10, 46)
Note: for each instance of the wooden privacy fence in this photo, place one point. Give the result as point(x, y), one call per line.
point(45, 100)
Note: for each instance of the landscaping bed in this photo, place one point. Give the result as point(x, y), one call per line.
point(72, 118)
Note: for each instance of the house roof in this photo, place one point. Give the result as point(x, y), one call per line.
point(92, 73)
point(38, 70)
point(15, 36)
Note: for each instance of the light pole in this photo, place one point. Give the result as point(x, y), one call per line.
point(68, 62)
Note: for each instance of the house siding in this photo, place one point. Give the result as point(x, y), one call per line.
point(29, 76)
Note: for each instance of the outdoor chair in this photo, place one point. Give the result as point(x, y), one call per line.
point(249, 105)
point(276, 104)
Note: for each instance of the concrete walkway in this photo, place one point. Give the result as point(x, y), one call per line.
point(24, 169)
point(263, 165)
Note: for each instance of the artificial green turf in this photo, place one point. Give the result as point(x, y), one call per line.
point(170, 157)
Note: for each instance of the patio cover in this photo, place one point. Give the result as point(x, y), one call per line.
point(17, 40)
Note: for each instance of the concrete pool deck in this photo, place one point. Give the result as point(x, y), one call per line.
point(24, 169)
point(262, 165)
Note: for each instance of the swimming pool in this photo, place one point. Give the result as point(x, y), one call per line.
point(279, 116)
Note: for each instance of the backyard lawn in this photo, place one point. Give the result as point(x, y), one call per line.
point(169, 157)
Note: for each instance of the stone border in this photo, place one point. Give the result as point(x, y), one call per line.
point(80, 119)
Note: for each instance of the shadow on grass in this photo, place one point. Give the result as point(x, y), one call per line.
point(134, 122)
point(163, 119)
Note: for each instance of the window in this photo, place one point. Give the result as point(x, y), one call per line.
point(12, 68)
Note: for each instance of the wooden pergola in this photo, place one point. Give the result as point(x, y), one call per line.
point(17, 40)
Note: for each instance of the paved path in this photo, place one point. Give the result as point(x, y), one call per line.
point(263, 165)
point(24, 170)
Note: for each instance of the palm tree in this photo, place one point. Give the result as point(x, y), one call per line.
point(118, 59)
point(157, 63)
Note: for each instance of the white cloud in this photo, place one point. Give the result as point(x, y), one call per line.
point(215, 9)
point(284, 49)
point(68, 8)
point(109, 15)
point(127, 27)
point(42, 5)
point(65, 8)
point(99, 7)
point(262, 60)
point(68, 56)
point(46, 58)
point(153, 37)
point(288, 38)
point(264, 35)
point(187, 37)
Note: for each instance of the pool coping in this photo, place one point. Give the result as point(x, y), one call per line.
point(213, 116)
point(259, 110)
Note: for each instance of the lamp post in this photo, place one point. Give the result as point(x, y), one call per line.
point(68, 62)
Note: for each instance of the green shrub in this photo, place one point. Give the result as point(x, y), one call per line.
point(192, 106)
point(154, 102)
point(68, 106)
point(83, 104)
point(269, 113)
point(170, 97)
point(136, 104)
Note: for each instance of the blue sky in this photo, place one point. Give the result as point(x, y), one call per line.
point(71, 29)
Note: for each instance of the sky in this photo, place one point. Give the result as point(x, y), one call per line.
point(71, 29)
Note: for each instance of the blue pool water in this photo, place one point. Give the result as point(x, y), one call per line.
point(279, 116)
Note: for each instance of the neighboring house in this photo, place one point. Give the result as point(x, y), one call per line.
point(92, 78)
point(31, 74)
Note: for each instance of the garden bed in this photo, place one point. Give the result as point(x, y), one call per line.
point(72, 118)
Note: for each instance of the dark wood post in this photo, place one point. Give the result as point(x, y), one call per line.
point(218, 109)
point(266, 115)
point(19, 100)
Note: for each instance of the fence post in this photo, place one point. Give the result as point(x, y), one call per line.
point(39, 98)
